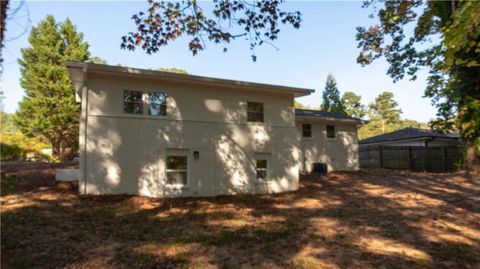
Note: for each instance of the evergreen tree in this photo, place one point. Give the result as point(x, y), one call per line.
point(353, 106)
point(49, 109)
point(385, 111)
point(331, 97)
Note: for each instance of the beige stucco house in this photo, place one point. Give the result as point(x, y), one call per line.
point(162, 134)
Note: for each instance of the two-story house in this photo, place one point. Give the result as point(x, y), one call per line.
point(163, 134)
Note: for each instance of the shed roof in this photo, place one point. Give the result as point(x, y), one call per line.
point(409, 133)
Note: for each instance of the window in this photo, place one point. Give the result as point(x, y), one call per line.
point(177, 170)
point(132, 102)
point(330, 131)
point(261, 168)
point(157, 103)
point(254, 112)
point(307, 130)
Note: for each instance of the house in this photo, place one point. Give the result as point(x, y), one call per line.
point(163, 134)
point(413, 137)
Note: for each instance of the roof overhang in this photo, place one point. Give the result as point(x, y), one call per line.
point(78, 73)
point(328, 119)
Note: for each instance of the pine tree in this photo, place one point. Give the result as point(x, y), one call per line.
point(331, 97)
point(353, 106)
point(49, 109)
point(385, 111)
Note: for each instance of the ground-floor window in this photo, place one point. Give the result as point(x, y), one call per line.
point(261, 168)
point(177, 169)
point(262, 165)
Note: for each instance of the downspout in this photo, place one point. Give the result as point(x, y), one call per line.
point(83, 130)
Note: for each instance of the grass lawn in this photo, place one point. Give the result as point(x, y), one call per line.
point(372, 219)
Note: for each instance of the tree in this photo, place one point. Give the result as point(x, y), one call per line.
point(257, 22)
point(13, 138)
point(406, 123)
point(172, 70)
point(353, 106)
point(331, 97)
point(96, 60)
point(3, 16)
point(298, 105)
point(385, 111)
point(446, 41)
point(49, 108)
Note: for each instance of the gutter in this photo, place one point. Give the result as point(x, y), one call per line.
point(188, 78)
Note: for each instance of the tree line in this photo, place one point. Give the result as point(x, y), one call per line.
point(48, 115)
point(445, 42)
point(383, 114)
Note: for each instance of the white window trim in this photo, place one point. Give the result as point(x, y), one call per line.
point(178, 186)
point(266, 157)
point(147, 102)
point(263, 169)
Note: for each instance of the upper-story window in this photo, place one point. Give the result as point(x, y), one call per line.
point(307, 130)
point(157, 103)
point(254, 112)
point(330, 131)
point(132, 102)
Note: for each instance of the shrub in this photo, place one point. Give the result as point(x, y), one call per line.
point(9, 152)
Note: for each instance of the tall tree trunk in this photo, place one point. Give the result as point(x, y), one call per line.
point(472, 156)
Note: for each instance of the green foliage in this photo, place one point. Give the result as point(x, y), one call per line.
point(12, 136)
point(10, 152)
point(331, 97)
point(96, 60)
point(384, 117)
point(353, 105)
point(166, 21)
point(384, 111)
point(172, 70)
point(452, 61)
point(49, 109)
point(298, 104)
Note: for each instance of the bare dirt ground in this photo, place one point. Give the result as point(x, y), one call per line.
point(370, 219)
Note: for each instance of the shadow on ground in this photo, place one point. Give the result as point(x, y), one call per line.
point(365, 219)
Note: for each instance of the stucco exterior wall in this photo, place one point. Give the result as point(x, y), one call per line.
point(339, 153)
point(125, 153)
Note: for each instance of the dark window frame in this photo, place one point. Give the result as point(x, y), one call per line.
point(133, 106)
point(307, 132)
point(331, 131)
point(255, 114)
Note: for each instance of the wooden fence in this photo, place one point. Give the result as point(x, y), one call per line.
point(415, 158)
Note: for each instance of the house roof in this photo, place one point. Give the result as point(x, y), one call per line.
point(408, 134)
point(129, 71)
point(320, 114)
